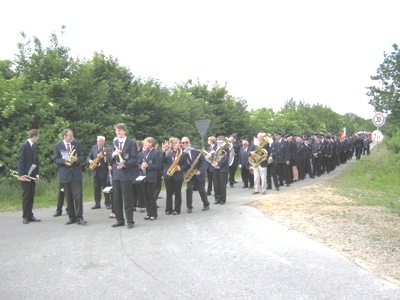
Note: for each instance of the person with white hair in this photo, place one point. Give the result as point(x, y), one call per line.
point(260, 171)
point(98, 162)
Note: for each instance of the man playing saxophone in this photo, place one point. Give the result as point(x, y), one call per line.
point(98, 162)
point(195, 173)
point(70, 174)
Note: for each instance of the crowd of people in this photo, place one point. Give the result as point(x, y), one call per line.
point(130, 173)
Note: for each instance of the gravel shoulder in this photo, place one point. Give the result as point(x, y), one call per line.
point(369, 236)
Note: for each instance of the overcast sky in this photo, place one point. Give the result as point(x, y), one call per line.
point(265, 51)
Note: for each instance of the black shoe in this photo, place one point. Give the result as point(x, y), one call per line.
point(288, 184)
point(109, 207)
point(231, 185)
point(168, 212)
point(96, 207)
point(57, 214)
point(245, 187)
point(269, 188)
point(33, 219)
point(118, 224)
point(208, 193)
point(81, 221)
point(147, 217)
point(235, 181)
point(130, 225)
point(206, 208)
point(217, 202)
point(189, 210)
point(222, 203)
point(25, 221)
point(70, 221)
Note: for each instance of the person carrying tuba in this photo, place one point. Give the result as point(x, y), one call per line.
point(260, 169)
point(221, 169)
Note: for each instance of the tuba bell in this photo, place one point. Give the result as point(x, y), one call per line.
point(259, 153)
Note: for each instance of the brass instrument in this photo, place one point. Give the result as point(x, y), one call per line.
point(259, 153)
point(120, 159)
point(68, 161)
point(192, 170)
point(208, 156)
point(221, 152)
point(15, 174)
point(96, 161)
point(174, 166)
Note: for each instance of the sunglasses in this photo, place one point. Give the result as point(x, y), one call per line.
point(185, 142)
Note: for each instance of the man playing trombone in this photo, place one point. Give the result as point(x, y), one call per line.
point(28, 173)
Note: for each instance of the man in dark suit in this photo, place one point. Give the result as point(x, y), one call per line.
point(233, 160)
point(199, 177)
point(98, 162)
point(244, 153)
point(28, 172)
point(123, 159)
point(281, 158)
point(68, 156)
point(221, 169)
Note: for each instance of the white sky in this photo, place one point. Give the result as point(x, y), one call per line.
point(266, 51)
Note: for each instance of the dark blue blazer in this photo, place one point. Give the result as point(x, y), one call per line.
point(130, 156)
point(67, 174)
point(102, 170)
point(244, 157)
point(153, 159)
point(167, 162)
point(224, 163)
point(201, 163)
point(26, 158)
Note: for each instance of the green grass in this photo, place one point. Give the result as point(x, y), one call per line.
point(374, 180)
point(45, 196)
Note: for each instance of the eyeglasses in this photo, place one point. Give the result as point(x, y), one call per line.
point(185, 142)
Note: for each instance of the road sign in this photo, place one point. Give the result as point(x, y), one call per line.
point(377, 136)
point(202, 126)
point(378, 119)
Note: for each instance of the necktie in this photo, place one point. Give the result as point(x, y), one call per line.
point(68, 148)
point(120, 145)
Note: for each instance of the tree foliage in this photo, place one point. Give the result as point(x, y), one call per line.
point(45, 88)
point(385, 94)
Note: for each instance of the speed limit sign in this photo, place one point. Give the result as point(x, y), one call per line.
point(377, 136)
point(378, 119)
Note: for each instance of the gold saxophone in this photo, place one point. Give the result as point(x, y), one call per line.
point(96, 161)
point(174, 166)
point(68, 161)
point(256, 158)
point(192, 170)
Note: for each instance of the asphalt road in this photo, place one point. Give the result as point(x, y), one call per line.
point(231, 251)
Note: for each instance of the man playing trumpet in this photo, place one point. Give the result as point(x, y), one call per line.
point(28, 172)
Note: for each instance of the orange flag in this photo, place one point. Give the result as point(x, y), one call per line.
point(342, 134)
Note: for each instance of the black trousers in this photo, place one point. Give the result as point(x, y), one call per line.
point(232, 171)
point(123, 200)
point(28, 194)
point(247, 177)
point(60, 198)
point(98, 185)
point(173, 187)
point(73, 193)
point(209, 181)
point(148, 189)
point(138, 198)
point(219, 181)
point(202, 191)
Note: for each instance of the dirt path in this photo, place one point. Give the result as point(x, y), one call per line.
point(369, 236)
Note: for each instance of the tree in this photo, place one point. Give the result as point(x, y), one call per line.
point(385, 95)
